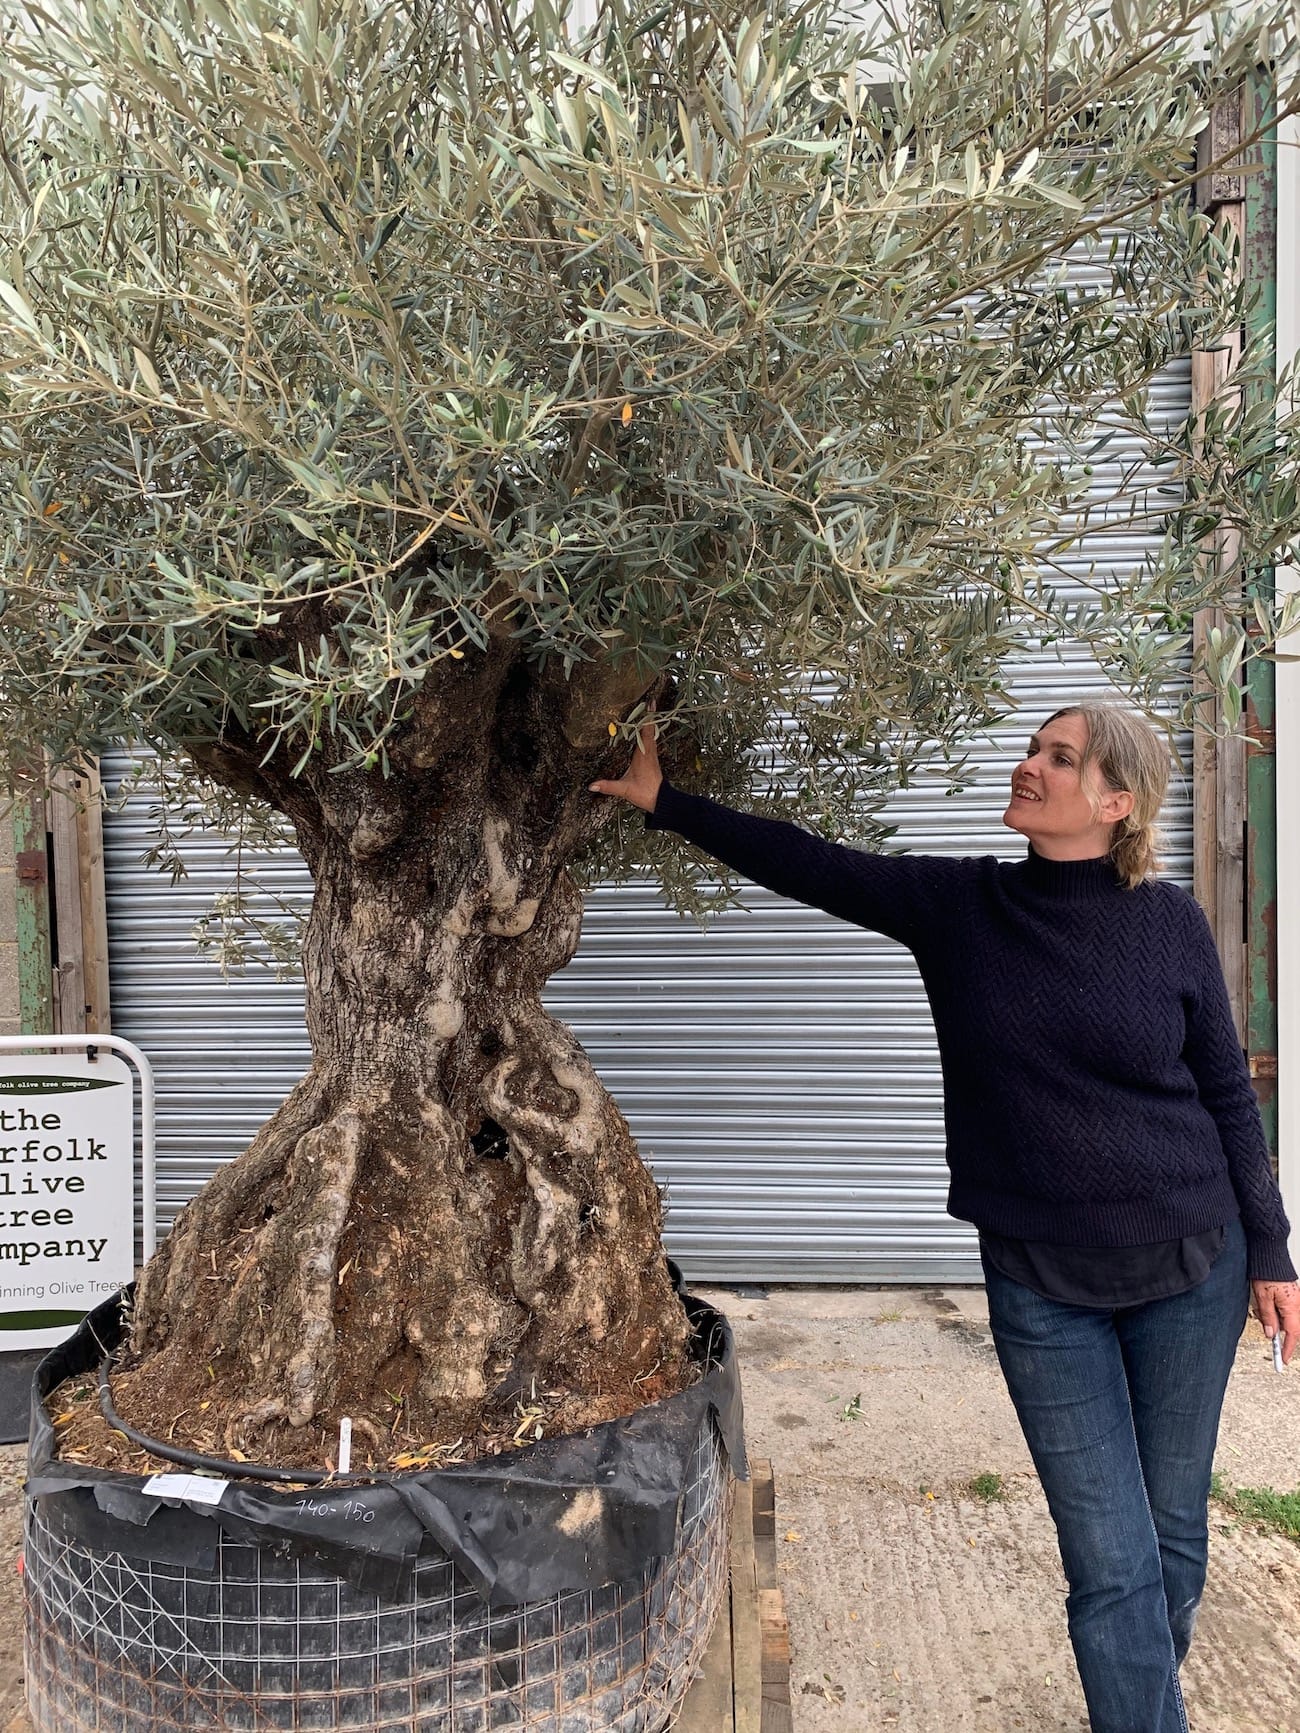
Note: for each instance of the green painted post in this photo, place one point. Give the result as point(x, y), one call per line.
point(32, 898)
point(1259, 263)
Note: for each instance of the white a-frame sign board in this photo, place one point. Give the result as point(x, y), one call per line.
point(68, 1180)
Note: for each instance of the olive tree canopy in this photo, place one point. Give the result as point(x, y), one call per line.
point(396, 399)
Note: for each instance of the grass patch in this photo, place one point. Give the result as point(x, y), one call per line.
point(1279, 1511)
point(988, 1486)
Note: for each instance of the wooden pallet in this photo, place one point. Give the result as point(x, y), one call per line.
point(744, 1686)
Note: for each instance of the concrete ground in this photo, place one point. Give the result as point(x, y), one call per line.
point(916, 1606)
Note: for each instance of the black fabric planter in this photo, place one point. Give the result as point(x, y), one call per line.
point(16, 1373)
point(570, 1588)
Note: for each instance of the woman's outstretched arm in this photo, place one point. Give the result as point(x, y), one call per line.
point(898, 895)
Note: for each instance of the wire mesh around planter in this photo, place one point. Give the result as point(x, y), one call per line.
point(264, 1641)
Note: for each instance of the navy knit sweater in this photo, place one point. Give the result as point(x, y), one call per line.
point(1094, 1090)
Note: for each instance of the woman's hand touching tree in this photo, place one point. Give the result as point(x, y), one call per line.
point(641, 782)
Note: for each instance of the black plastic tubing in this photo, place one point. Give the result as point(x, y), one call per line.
point(193, 1458)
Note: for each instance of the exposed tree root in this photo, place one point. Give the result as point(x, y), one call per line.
point(166, 1287)
point(314, 1241)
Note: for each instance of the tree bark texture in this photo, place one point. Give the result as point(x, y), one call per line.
point(447, 1220)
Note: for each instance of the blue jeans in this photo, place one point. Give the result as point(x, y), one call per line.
point(1120, 1411)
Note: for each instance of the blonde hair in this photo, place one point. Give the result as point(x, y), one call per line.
point(1130, 758)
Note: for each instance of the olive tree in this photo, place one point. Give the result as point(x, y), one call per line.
point(397, 400)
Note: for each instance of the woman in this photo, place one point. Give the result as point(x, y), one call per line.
point(1104, 1138)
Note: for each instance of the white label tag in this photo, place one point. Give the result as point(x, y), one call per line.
point(199, 1487)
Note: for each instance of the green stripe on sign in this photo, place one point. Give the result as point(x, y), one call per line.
point(56, 1085)
point(39, 1320)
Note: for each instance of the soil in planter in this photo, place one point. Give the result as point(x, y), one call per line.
point(379, 1445)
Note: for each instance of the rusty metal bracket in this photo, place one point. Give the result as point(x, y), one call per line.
point(32, 866)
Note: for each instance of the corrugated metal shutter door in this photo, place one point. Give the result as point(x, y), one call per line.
point(780, 1070)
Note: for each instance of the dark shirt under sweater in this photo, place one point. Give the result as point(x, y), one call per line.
point(1106, 1277)
point(1094, 1090)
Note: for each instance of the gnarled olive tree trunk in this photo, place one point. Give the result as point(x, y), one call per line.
point(449, 1213)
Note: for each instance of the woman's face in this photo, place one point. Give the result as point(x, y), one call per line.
point(1050, 801)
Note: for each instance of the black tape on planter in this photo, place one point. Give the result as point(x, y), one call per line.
point(564, 1514)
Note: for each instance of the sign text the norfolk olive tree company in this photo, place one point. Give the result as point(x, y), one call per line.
point(67, 1184)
